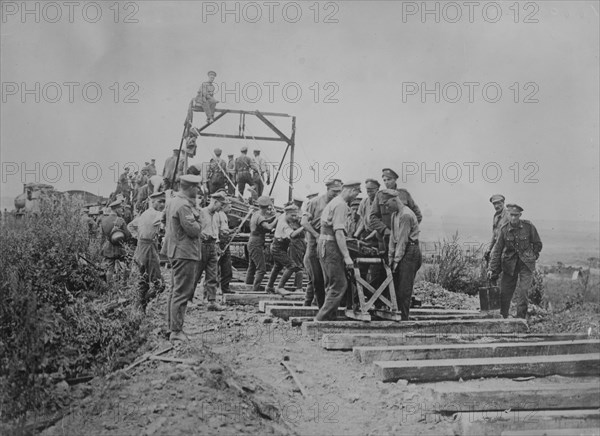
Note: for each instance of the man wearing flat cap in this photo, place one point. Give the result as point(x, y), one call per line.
point(500, 218)
point(145, 229)
point(181, 245)
point(244, 168)
point(332, 250)
point(225, 271)
point(113, 251)
point(515, 252)
point(261, 222)
point(217, 168)
point(209, 238)
point(404, 254)
point(206, 97)
point(311, 222)
point(380, 217)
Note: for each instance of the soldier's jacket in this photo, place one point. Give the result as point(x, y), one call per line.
point(497, 222)
point(107, 224)
point(182, 229)
point(514, 243)
point(381, 218)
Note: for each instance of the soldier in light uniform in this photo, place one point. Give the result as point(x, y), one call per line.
point(332, 250)
point(515, 252)
point(145, 229)
point(231, 174)
point(261, 176)
point(209, 237)
point(279, 249)
point(501, 217)
point(181, 245)
point(206, 97)
point(310, 289)
point(169, 168)
point(404, 254)
point(311, 222)
point(261, 223)
point(151, 168)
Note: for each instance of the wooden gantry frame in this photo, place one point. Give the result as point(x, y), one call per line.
point(262, 116)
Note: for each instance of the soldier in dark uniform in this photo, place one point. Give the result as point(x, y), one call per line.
point(244, 168)
point(145, 229)
point(113, 250)
point(217, 169)
point(380, 220)
point(517, 248)
point(261, 223)
point(181, 245)
point(311, 222)
point(501, 217)
point(231, 174)
point(206, 97)
point(225, 265)
point(333, 252)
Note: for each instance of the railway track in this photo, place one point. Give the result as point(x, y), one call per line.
point(489, 373)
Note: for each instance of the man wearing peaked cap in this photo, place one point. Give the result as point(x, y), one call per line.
point(333, 252)
point(311, 222)
point(261, 176)
point(217, 168)
point(500, 218)
point(114, 252)
point(231, 174)
point(353, 218)
point(261, 223)
point(404, 253)
point(380, 218)
point(209, 262)
point(284, 232)
point(206, 97)
point(364, 231)
point(145, 229)
point(514, 255)
point(244, 168)
point(181, 245)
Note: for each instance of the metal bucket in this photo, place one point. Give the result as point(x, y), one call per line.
point(489, 297)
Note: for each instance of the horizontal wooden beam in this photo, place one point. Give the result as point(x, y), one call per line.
point(285, 313)
point(237, 111)
point(347, 341)
point(510, 395)
point(515, 325)
point(594, 431)
point(507, 367)
point(473, 351)
point(257, 138)
point(498, 422)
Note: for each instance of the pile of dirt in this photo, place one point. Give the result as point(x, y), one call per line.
point(577, 318)
point(436, 295)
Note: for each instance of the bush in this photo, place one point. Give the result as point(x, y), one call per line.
point(456, 271)
point(51, 307)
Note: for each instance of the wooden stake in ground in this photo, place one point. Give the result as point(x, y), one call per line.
point(296, 379)
point(147, 357)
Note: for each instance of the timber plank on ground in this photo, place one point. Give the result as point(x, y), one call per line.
point(473, 351)
point(554, 432)
point(496, 422)
point(316, 329)
point(508, 367)
point(254, 299)
point(464, 397)
point(262, 306)
point(347, 341)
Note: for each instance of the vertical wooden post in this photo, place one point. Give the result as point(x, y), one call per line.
point(292, 148)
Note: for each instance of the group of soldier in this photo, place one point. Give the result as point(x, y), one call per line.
point(310, 237)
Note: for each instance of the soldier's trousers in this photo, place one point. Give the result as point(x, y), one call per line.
point(225, 270)
point(209, 104)
point(281, 261)
point(183, 283)
point(258, 184)
point(404, 278)
point(257, 266)
point(334, 272)
point(208, 264)
point(315, 273)
point(518, 285)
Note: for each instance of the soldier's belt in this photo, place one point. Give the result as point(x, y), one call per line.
point(326, 238)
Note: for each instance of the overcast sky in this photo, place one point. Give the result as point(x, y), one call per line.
point(361, 69)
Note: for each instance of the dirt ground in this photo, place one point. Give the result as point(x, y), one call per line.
point(233, 382)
